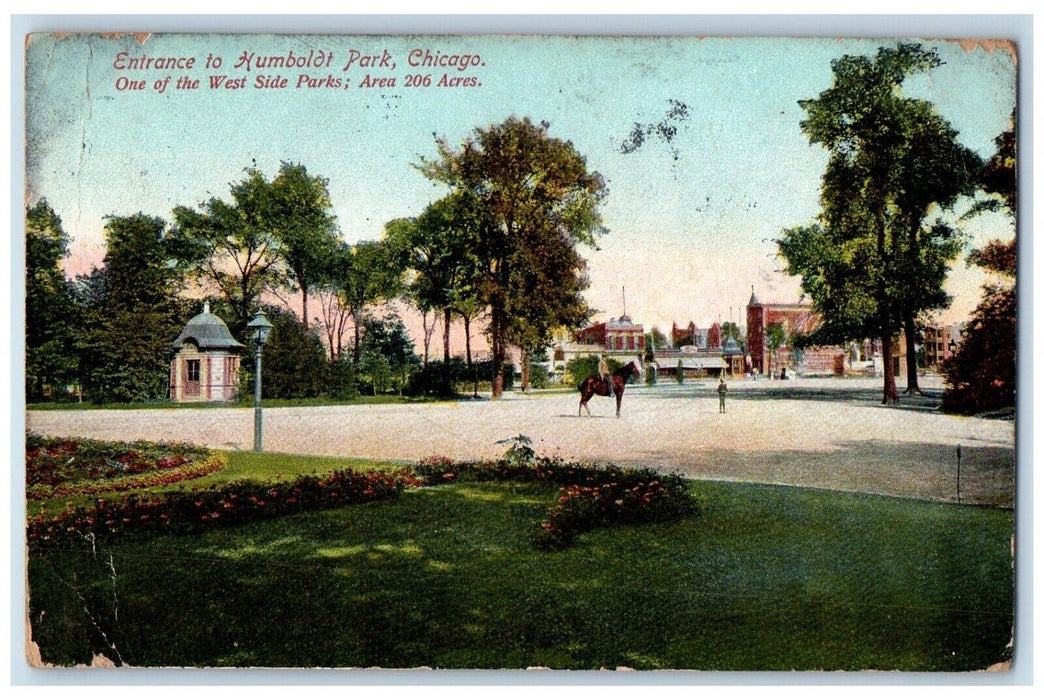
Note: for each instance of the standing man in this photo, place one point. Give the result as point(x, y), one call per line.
point(722, 391)
point(603, 369)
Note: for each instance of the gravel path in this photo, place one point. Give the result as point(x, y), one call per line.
point(825, 433)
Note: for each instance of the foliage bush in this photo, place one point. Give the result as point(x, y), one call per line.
point(980, 376)
point(446, 380)
point(341, 382)
point(580, 368)
point(538, 376)
point(293, 363)
point(590, 496)
point(437, 379)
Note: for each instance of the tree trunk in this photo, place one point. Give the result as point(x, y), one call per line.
point(891, 395)
point(525, 370)
point(427, 334)
point(910, 330)
point(357, 350)
point(467, 338)
point(497, 347)
point(909, 325)
point(304, 307)
point(447, 318)
point(884, 309)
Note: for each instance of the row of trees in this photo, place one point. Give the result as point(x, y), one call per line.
point(876, 257)
point(500, 248)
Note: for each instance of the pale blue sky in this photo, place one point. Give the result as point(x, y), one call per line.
point(687, 236)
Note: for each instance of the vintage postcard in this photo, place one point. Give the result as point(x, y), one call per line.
point(520, 352)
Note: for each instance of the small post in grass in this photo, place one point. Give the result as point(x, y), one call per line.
point(958, 474)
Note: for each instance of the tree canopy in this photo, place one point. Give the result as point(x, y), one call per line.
point(304, 227)
point(233, 245)
point(870, 262)
point(134, 312)
point(532, 200)
point(50, 311)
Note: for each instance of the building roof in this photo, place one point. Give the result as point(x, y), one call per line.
point(705, 362)
point(731, 347)
point(753, 299)
point(622, 323)
point(207, 332)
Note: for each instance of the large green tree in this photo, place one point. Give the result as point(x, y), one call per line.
point(232, 245)
point(304, 227)
point(547, 288)
point(533, 200)
point(360, 276)
point(133, 312)
point(892, 159)
point(50, 309)
point(437, 250)
point(981, 375)
point(936, 171)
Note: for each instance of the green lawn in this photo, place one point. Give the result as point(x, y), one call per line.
point(763, 578)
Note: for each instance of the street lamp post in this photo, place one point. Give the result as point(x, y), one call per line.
point(259, 328)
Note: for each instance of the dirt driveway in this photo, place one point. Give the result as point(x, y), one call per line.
point(825, 433)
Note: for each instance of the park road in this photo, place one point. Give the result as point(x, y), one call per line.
point(823, 433)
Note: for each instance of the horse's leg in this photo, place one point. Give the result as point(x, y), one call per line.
point(619, 398)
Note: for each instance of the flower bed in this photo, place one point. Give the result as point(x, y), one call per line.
point(57, 467)
point(238, 502)
point(590, 496)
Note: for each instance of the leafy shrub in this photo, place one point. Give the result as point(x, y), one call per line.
point(580, 368)
point(293, 364)
point(538, 376)
point(342, 383)
point(520, 453)
point(590, 496)
point(980, 376)
point(437, 379)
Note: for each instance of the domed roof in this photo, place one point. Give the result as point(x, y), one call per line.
point(207, 332)
point(731, 347)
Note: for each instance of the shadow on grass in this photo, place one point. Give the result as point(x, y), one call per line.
point(764, 578)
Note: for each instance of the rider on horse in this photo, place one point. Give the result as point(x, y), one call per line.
point(603, 370)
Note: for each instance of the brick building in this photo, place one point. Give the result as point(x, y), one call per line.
point(795, 319)
point(800, 319)
point(937, 341)
point(615, 336)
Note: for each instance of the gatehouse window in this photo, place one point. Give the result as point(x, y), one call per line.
point(193, 370)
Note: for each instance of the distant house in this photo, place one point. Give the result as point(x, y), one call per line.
point(615, 336)
point(206, 361)
point(801, 319)
point(937, 341)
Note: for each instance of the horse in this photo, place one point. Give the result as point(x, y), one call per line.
point(596, 385)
